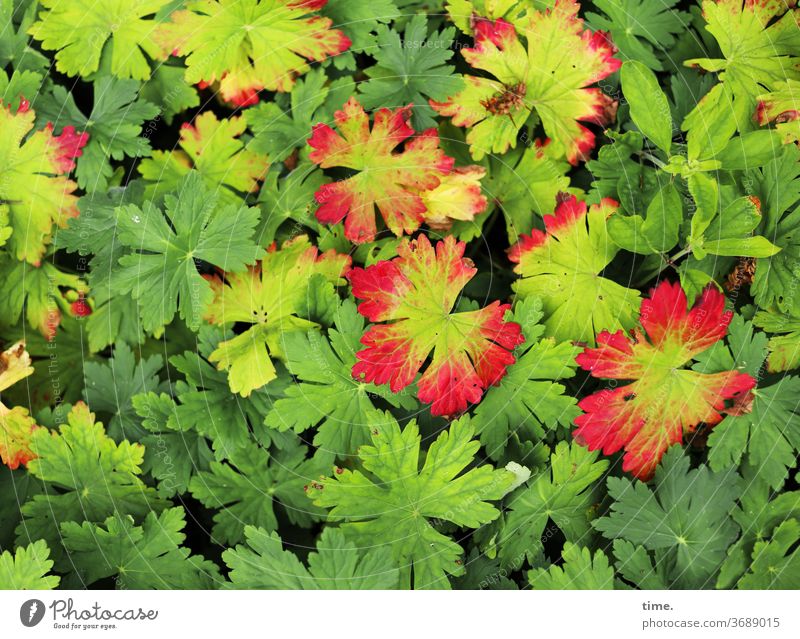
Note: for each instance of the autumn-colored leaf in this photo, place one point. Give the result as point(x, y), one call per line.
point(213, 148)
point(549, 71)
point(416, 293)
point(664, 400)
point(387, 180)
point(563, 266)
point(251, 45)
point(782, 107)
point(16, 425)
point(407, 187)
point(458, 197)
point(35, 193)
point(16, 428)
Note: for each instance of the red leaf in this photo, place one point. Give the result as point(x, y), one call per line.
point(402, 185)
point(68, 147)
point(416, 292)
point(664, 401)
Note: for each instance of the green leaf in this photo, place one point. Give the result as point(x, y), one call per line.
point(657, 232)
point(759, 44)
point(616, 174)
point(161, 271)
point(523, 184)
point(705, 192)
point(402, 505)
point(246, 489)
point(336, 565)
point(110, 387)
point(784, 352)
point(635, 565)
point(759, 513)
point(206, 405)
point(289, 290)
point(729, 232)
point(769, 433)
point(693, 280)
point(484, 573)
point(745, 351)
point(784, 347)
point(36, 293)
point(527, 402)
point(21, 84)
point(93, 236)
point(563, 492)
point(749, 246)
point(114, 318)
point(359, 21)
point(15, 44)
point(278, 131)
point(212, 148)
point(288, 197)
point(580, 571)
point(139, 557)
point(776, 563)
point(710, 124)
point(167, 90)
point(641, 29)
point(327, 397)
point(777, 186)
point(114, 126)
point(648, 104)
point(684, 517)
point(16, 487)
point(88, 477)
point(411, 70)
point(123, 30)
point(27, 568)
point(749, 150)
point(174, 451)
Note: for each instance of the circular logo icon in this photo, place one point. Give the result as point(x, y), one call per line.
point(31, 612)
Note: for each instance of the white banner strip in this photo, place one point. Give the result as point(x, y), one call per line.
point(374, 615)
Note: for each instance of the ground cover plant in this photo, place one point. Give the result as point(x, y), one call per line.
point(474, 294)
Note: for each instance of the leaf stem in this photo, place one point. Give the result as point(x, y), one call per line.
point(652, 158)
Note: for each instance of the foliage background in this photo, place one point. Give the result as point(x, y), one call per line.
point(182, 479)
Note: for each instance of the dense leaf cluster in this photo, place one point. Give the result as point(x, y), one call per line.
point(331, 294)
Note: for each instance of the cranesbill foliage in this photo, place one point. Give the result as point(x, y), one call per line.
point(563, 266)
point(36, 193)
point(470, 348)
point(654, 411)
point(393, 294)
point(274, 297)
point(16, 425)
point(534, 79)
point(250, 45)
point(406, 187)
point(414, 497)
